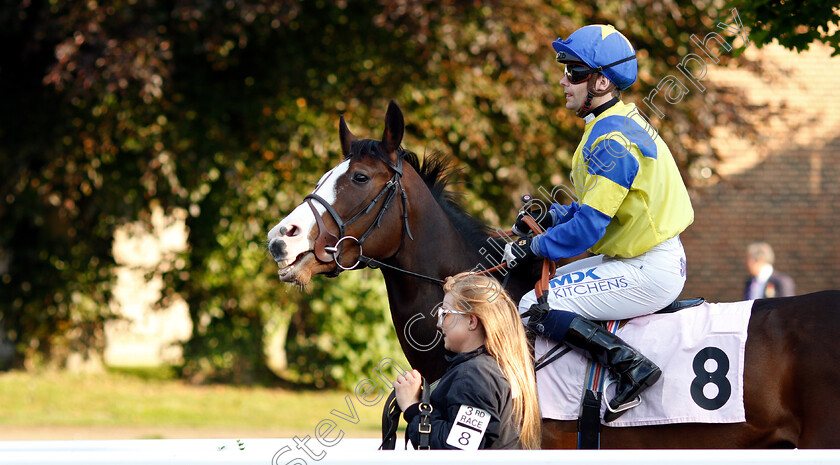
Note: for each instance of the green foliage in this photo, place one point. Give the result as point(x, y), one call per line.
point(341, 337)
point(229, 110)
point(795, 25)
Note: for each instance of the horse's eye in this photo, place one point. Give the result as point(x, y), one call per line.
point(360, 178)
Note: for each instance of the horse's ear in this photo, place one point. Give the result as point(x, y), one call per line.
point(394, 128)
point(347, 137)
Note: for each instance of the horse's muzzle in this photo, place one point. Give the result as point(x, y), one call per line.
point(277, 248)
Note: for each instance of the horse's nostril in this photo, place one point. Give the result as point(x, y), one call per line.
point(290, 231)
point(277, 248)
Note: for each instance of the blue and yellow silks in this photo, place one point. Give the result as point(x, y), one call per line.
point(631, 196)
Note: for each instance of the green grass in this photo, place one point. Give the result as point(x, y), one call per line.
point(136, 399)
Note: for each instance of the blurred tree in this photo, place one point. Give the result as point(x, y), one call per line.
point(795, 25)
point(229, 110)
point(222, 109)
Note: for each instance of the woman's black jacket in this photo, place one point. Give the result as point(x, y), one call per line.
point(472, 381)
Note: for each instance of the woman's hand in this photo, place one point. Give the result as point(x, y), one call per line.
point(407, 388)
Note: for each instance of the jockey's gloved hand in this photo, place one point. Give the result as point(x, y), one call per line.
point(543, 218)
point(536, 312)
point(517, 252)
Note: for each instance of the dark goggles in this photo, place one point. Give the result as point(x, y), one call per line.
point(577, 72)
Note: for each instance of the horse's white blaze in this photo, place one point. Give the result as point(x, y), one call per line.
point(327, 188)
point(302, 221)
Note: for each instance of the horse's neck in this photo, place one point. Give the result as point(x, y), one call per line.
point(438, 250)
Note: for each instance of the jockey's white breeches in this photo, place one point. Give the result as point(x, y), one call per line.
point(612, 288)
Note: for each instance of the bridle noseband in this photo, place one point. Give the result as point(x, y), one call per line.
point(328, 246)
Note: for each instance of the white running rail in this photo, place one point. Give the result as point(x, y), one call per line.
point(363, 451)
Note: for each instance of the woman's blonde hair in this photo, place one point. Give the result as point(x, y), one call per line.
point(505, 340)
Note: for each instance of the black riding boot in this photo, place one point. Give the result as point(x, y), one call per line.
point(635, 372)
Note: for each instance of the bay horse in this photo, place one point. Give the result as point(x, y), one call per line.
point(381, 207)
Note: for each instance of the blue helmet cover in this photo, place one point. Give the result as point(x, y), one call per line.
point(599, 45)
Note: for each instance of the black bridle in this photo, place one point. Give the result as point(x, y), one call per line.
point(328, 246)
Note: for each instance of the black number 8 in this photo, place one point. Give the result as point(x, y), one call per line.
point(464, 439)
point(717, 377)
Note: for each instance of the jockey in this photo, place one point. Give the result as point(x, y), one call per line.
point(631, 207)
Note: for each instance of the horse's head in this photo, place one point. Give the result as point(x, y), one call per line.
point(362, 197)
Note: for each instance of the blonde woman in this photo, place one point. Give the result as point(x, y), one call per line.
point(487, 398)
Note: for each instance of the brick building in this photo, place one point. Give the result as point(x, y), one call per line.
point(781, 188)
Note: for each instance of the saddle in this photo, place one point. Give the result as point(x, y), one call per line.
point(678, 305)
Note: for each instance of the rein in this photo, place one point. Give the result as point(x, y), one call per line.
point(548, 266)
point(374, 263)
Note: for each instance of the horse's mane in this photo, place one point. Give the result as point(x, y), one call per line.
point(437, 174)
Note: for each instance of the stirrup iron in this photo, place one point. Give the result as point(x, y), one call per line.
point(625, 406)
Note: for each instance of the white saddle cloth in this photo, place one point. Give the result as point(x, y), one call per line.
point(700, 351)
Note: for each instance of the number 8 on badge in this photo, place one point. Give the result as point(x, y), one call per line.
point(469, 427)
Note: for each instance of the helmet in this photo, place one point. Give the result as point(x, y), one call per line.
point(600, 46)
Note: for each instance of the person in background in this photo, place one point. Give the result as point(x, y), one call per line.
point(487, 399)
point(765, 281)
